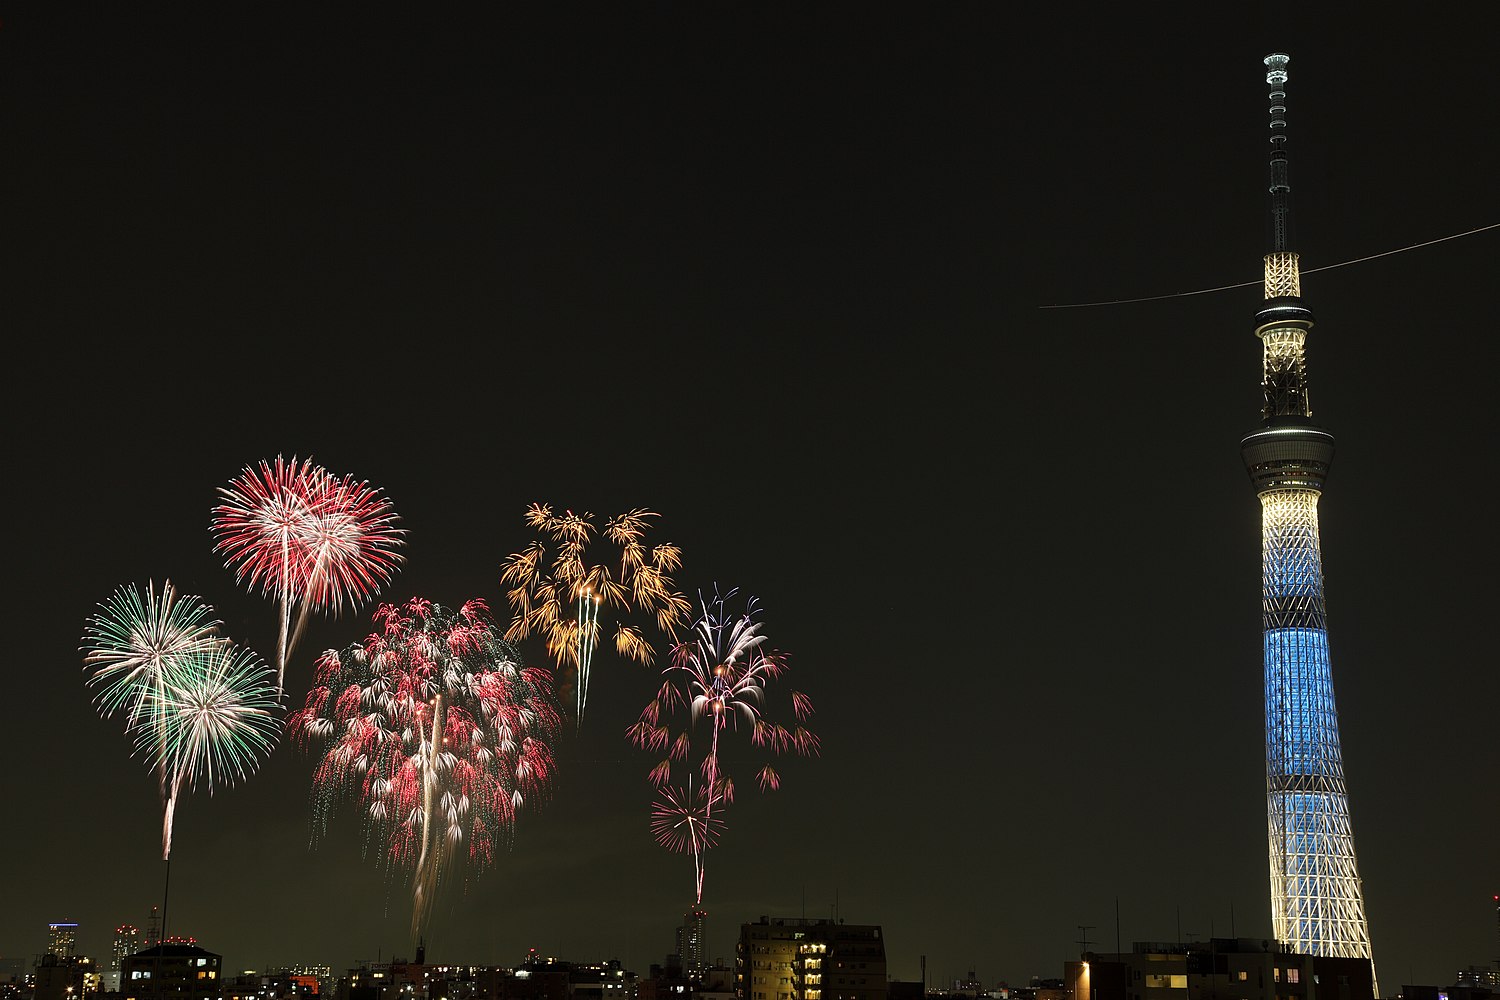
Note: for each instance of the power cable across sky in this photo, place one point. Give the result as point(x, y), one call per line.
point(1247, 284)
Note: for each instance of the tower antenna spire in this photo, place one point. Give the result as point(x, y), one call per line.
point(1281, 186)
point(1283, 275)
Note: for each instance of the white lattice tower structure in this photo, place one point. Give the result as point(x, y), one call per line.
point(1317, 904)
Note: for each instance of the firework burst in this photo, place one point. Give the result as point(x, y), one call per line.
point(436, 726)
point(308, 539)
point(136, 633)
point(219, 717)
point(719, 677)
point(684, 822)
point(199, 709)
point(543, 585)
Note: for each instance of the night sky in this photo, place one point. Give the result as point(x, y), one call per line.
point(775, 273)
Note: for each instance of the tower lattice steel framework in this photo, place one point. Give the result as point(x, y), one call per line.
point(1317, 905)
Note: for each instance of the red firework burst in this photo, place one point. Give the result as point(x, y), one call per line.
point(306, 538)
point(436, 726)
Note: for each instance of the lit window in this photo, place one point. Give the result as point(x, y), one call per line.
point(1244, 975)
point(1294, 975)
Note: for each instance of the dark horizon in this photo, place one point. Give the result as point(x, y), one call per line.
point(774, 274)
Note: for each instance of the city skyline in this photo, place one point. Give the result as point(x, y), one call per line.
point(778, 278)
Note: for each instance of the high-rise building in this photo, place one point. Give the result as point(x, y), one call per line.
point(692, 942)
point(126, 942)
point(62, 938)
point(1317, 905)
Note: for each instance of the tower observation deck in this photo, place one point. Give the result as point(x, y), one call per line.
point(1317, 903)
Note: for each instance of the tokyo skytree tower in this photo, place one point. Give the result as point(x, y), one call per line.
point(1317, 905)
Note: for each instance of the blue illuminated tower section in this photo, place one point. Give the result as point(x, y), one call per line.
point(1317, 906)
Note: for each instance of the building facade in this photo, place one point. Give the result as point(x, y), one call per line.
point(1219, 969)
point(62, 938)
point(172, 972)
point(795, 958)
point(73, 977)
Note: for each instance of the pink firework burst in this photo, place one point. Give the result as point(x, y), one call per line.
point(437, 727)
point(718, 679)
point(349, 545)
point(683, 823)
point(308, 539)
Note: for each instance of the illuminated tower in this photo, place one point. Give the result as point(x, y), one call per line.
point(1317, 906)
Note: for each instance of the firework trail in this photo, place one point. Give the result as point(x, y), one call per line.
point(199, 709)
point(436, 726)
point(308, 539)
point(540, 583)
point(588, 640)
point(719, 675)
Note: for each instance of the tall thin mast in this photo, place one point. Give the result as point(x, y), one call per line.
point(1281, 186)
